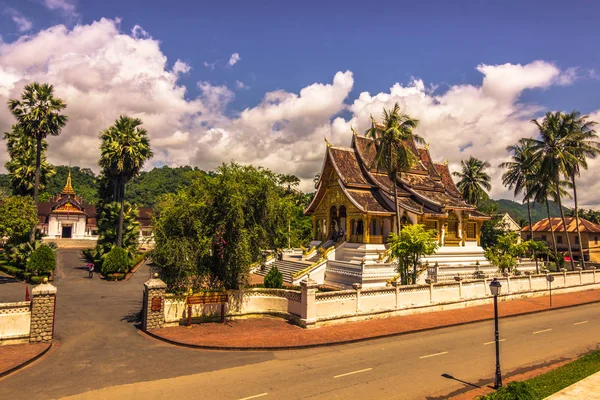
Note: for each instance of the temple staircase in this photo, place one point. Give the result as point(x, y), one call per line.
point(287, 267)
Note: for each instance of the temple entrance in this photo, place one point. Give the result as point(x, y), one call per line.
point(67, 232)
point(451, 238)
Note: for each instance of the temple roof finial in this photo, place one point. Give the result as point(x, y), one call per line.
point(68, 189)
point(353, 131)
point(327, 141)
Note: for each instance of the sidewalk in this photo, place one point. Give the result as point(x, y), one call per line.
point(278, 334)
point(16, 356)
point(588, 388)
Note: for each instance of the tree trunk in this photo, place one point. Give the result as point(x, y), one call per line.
point(36, 183)
point(537, 268)
point(121, 214)
point(551, 227)
point(397, 209)
point(581, 256)
point(562, 216)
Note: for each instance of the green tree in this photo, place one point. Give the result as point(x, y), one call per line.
point(474, 180)
point(146, 188)
point(505, 252)
point(42, 260)
point(209, 233)
point(556, 152)
point(108, 219)
point(83, 181)
point(38, 115)
point(413, 242)
point(18, 217)
point(116, 261)
point(21, 166)
point(391, 140)
point(520, 177)
point(584, 145)
point(274, 279)
point(124, 150)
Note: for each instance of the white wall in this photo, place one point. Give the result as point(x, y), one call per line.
point(15, 320)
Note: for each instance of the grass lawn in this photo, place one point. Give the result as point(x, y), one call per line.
point(549, 383)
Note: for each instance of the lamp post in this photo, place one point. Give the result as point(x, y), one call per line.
point(495, 286)
point(550, 279)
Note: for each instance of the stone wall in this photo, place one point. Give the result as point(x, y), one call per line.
point(42, 312)
point(153, 316)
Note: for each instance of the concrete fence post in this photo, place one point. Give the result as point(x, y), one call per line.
point(485, 286)
point(309, 303)
point(530, 283)
point(43, 311)
point(396, 285)
point(459, 280)
point(580, 275)
point(508, 284)
point(153, 312)
point(430, 291)
point(594, 273)
point(564, 271)
point(357, 287)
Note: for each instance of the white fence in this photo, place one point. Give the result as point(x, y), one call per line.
point(310, 307)
point(15, 321)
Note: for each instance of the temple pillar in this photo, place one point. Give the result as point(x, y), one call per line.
point(367, 229)
point(348, 229)
point(314, 224)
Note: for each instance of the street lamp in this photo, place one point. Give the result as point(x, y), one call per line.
point(495, 287)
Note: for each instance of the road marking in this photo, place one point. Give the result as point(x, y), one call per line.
point(352, 373)
point(433, 355)
point(255, 396)
point(486, 343)
point(545, 330)
point(579, 323)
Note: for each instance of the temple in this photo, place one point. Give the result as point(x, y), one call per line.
point(354, 206)
point(67, 216)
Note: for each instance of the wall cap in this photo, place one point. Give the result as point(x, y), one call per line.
point(44, 288)
point(155, 283)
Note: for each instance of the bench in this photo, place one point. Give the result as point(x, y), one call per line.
point(206, 298)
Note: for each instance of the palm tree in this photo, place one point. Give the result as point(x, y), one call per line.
point(557, 154)
point(474, 180)
point(390, 140)
point(584, 144)
point(21, 166)
point(520, 176)
point(124, 150)
point(38, 115)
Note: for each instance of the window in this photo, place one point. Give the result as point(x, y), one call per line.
point(375, 227)
point(471, 230)
point(558, 239)
point(528, 237)
point(576, 239)
point(430, 225)
point(544, 238)
point(595, 239)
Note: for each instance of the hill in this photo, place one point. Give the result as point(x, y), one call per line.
point(518, 211)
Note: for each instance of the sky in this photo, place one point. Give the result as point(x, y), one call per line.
point(266, 82)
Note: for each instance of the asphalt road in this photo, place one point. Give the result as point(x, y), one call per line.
point(102, 355)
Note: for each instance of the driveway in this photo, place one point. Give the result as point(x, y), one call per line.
point(99, 343)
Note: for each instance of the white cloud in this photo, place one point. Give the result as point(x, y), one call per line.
point(235, 57)
point(103, 73)
point(181, 67)
point(241, 85)
point(139, 33)
point(68, 7)
point(23, 23)
point(211, 65)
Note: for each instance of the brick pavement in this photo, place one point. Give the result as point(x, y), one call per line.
point(275, 333)
point(14, 356)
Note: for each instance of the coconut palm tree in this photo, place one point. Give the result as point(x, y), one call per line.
point(124, 150)
point(21, 166)
point(520, 176)
point(474, 180)
point(38, 115)
point(556, 153)
point(393, 154)
point(584, 144)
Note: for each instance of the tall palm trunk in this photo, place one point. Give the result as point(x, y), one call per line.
point(537, 268)
point(36, 183)
point(121, 214)
point(551, 227)
point(581, 256)
point(562, 216)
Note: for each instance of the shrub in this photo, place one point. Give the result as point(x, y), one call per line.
point(89, 254)
point(36, 279)
point(117, 260)
point(274, 279)
point(42, 260)
point(513, 391)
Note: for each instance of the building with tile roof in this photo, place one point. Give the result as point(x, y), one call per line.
point(590, 236)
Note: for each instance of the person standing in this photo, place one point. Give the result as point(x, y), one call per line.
point(90, 270)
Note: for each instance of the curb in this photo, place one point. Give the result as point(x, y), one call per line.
point(26, 363)
point(357, 340)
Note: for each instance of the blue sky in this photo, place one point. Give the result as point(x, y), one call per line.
point(473, 72)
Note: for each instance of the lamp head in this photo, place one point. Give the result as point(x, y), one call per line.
point(495, 286)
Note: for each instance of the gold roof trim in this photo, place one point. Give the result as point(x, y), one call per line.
point(68, 189)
